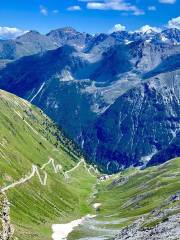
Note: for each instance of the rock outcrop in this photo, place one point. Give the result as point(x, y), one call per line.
point(7, 229)
point(169, 229)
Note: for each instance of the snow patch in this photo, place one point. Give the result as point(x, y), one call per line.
point(164, 39)
point(61, 231)
point(65, 76)
point(127, 42)
point(97, 205)
point(147, 158)
point(41, 87)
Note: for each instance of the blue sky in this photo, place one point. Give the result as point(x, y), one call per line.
point(86, 15)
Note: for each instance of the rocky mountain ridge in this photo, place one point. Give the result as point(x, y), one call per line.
point(33, 42)
point(89, 83)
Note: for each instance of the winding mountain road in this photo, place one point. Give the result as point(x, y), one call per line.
point(43, 179)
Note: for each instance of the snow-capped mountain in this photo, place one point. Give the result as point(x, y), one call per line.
point(171, 36)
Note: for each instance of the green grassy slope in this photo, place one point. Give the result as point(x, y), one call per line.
point(152, 195)
point(136, 193)
point(29, 137)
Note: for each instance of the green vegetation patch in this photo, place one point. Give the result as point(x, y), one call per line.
point(28, 137)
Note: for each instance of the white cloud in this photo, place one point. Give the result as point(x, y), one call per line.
point(174, 23)
point(43, 10)
point(152, 8)
point(147, 28)
point(138, 12)
point(10, 33)
point(117, 27)
point(74, 8)
point(118, 5)
point(167, 1)
point(55, 11)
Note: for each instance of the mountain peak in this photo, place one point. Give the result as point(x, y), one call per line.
point(65, 30)
point(68, 29)
point(171, 30)
point(29, 33)
point(69, 36)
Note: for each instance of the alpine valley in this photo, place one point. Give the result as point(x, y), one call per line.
point(90, 135)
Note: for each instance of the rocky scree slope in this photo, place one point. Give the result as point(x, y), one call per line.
point(158, 206)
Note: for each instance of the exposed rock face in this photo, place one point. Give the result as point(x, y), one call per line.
point(7, 230)
point(166, 230)
point(169, 35)
point(101, 42)
point(33, 42)
point(169, 152)
point(27, 44)
point(69, 36)
point(139, 124)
